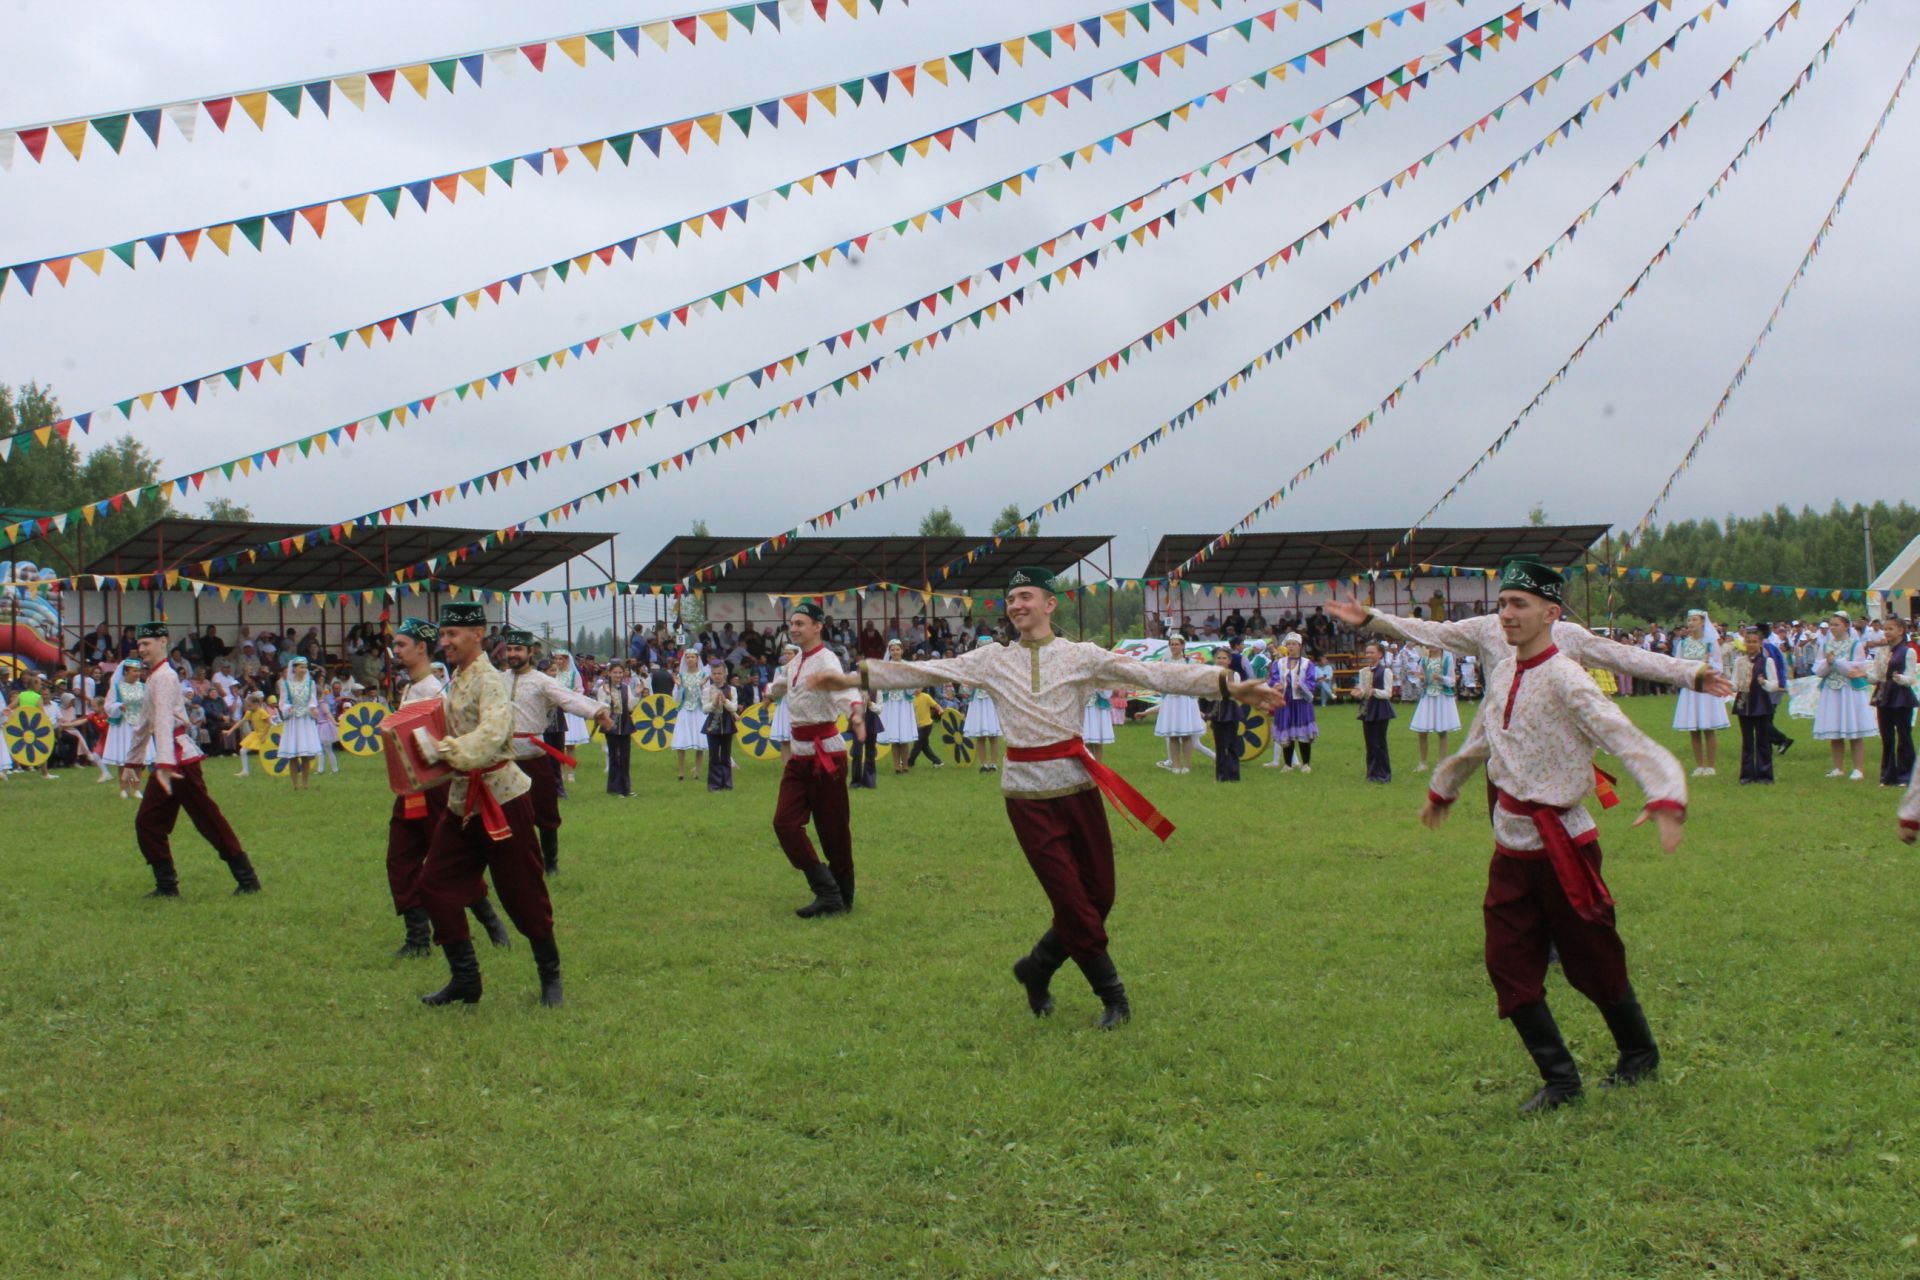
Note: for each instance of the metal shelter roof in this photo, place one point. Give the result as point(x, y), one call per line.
point(1318, 555)
point(816, 566)
point(367, 559)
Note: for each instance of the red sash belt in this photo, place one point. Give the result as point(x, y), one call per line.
point(548, 747)
point(492, 816)
point(817, 733)
point(414, 807)
point(1118, 791)
point(1579, 878)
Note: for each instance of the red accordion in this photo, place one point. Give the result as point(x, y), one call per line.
point(408, 771)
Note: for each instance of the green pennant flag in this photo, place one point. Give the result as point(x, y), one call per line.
point(503, 169)
point(742, 120)
point(289, 98)
point(964, 61)
point(443, 69)
point(1043, 41)
point(252, 228)
point(113, 129)
point(124, 252)
point(603, 41)
point(390, 198)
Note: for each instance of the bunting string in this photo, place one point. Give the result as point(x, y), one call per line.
point(1538, 264)
point(838, 386)
point(1006, 188)
point(1112, 363)
point(1273, 354)
point(729, 122)
point(1773, 317)
point(448, 71)
point(1606, 322)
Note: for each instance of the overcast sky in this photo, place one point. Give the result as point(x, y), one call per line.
point(1827, 412)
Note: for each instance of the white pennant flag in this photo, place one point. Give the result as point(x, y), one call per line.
point(185, 115)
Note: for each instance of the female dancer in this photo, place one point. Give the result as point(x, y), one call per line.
point(299, 723)
point(690, 697)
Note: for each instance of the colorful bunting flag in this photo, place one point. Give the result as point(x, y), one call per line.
point(449, 72)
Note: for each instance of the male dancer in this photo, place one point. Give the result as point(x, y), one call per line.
point(813, 783)
point(488, 786)
point(620, 700)
point(414, 817)
point(175, 782)
point(1544, 719)
point(1052, 784)
point(536, 696)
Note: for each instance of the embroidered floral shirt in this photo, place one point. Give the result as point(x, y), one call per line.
point(1543, 720)
point(809, 705)
point(479, 728)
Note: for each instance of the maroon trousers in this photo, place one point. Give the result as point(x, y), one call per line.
point(407, 841)
point(809, 792)
point(459, 857)
point(159, 810)
point(1525, 909)
point(543, 771)
point(1070, 849)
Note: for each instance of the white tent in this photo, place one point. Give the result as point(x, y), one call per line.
point(1901, 574)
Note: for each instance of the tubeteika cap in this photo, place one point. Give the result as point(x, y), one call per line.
point(1535, 577)
point(463, 613)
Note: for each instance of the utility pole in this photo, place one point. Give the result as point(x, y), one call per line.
point(1866, 530)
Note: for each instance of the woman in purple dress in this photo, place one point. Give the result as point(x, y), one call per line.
point(1294, 726)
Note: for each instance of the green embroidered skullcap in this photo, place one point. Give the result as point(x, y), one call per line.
point(1535, 577)
point(518, 635)
point(1030, 576)
point(419, 629)
point(151, 631)
point(463, 613)
point(808, 609)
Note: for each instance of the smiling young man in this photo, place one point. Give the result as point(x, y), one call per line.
point(175, 782)
point(1052, 784)
point(813, 783)
point(1543, 720)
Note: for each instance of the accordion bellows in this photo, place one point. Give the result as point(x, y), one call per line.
point(409, 772)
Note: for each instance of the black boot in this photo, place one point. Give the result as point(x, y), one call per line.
point(490, 921)
point(1542, 1038)
point(550, 850)
point(419, 943)
point(166, 880)
point(1639, 1056)
point(826, 894)
point(244, 879)
point(464, 985)
point(1036, 969)
point(845, 881)
point(546, 958)
point(1105, 982)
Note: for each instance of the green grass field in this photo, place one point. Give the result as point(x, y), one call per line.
point(1314, 1083)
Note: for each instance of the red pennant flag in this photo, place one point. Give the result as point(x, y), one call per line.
point(221, 108)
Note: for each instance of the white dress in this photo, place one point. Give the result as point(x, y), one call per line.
point(124, 703)
point(982, 720)
point(577, 735)
point(687, 735)
point(897, 724)
point(299, 731)
point(1437, 712)
point(781, 728)
point(1845, 709)
point(1179, 715)
point(1096, 724)
point(1698, 711)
